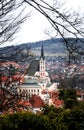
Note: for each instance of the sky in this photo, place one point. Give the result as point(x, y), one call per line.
point(34, 28)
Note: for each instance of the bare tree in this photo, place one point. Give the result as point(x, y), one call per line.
point(11, 17)
point(9, 79)
point(62, 21)
point(73, 49)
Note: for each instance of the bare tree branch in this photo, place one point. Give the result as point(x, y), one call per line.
point(62, 21)
point(11, 17)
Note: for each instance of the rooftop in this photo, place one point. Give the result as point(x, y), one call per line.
point(30, 85)
point(34, 66)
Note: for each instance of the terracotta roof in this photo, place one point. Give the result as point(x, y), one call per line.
point(58, 103)
point(14, 78)
point(36, 101)
point(79, 92)
point(24, 103)
point(9, 63)
point(43, 92)
point(54, 94)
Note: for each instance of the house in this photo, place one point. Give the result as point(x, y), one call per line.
point(80, 94)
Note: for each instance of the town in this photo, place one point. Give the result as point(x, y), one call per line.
point(42, 65)
point(39, 82)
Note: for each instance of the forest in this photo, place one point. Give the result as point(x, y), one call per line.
point(50, 119)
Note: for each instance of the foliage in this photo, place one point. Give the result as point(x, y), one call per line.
point(67, 93)
point(24, 121)
point(79, 106)
point(57, 119)
point(75, 119)
point(69, 97)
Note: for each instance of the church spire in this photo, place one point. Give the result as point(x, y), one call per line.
point(42, 53)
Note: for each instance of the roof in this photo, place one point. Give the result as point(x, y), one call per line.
point(36, 101)
point(29, 80)
point(42, 53)
point(29, 85)
point(48, 84)
point(58, 103)
point(33, 67)
point(24, 103)
point(5, 64)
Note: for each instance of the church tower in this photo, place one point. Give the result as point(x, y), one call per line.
point(41, 71)
point(42, 68)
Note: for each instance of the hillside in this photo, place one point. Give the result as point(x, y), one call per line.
point(52, 47)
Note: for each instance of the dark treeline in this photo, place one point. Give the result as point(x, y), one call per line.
point(50, 119)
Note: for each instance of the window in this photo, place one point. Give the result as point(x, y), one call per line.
point(32, 90)
point(38, 90)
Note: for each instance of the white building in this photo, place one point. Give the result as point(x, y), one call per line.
point(36, 80)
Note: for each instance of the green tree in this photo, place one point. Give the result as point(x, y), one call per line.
point(69, 97)
point(24, 121)
point(74, 119)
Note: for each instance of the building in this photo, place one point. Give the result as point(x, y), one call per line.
point(37, 80)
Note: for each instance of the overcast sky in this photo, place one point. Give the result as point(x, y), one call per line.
point(34, 28)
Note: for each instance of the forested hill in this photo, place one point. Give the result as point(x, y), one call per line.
point(55, 46)
point(51, 47)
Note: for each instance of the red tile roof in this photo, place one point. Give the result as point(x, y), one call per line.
point(57, 103)
point(24, 103)
point(79, 92)
point(3, 64)
point(36, 101)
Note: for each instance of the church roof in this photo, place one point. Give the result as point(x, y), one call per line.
point(29, 85)
point(42, 53)
point(34, 66)
point(27, 79)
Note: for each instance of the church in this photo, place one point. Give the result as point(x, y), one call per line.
point(37, 68)
point(36, 80)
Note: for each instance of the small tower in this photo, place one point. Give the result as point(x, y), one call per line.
point(42, 64)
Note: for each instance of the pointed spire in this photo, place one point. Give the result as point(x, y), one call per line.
point(42, 53)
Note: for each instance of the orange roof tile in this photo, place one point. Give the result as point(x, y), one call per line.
point(57, 103)
point(24, 103)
